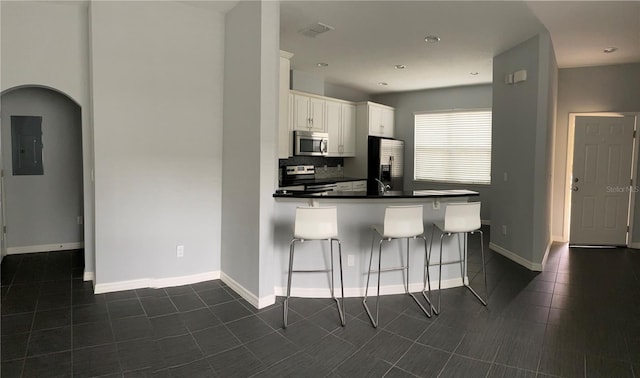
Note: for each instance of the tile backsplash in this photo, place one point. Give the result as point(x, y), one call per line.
point(334, 165)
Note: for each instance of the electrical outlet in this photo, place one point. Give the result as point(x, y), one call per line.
point(350, 260)
point(436, 205)
point(505, 177)
point(180, 251)
point(79, 219)
point(504, 229)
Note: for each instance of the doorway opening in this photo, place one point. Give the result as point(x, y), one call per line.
point(601, 178)
point(43, 208)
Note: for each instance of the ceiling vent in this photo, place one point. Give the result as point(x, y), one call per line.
point(316, 29)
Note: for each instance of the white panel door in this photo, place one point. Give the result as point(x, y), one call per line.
point(601, 180)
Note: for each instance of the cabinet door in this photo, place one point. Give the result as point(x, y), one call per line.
point(387, 122)
point(359, 186)
point(375, 121)
point(301, 117)
point(290, 123)
point(344, 186)
point(333, 121)
point(348, 130)
point(316, 114)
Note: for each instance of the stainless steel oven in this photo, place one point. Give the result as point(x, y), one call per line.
point(309, 143)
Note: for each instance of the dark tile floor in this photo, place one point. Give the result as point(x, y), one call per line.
point(578, 318)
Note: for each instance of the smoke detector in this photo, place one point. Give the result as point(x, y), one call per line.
point(316, 29)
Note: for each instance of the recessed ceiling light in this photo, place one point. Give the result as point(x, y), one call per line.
point(322, 64)
point(400, 66)
point(474, 73)
point(432, 39)
point(609, 50)
point(382, 83)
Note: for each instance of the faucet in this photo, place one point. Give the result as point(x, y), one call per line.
point(382, 187)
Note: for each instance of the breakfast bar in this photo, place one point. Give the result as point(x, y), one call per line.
point(357, 212)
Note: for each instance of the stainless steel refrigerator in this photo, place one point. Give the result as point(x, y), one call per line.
point(386, 163)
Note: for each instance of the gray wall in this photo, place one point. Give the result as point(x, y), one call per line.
point(250, 127)
point(43, 209)
point(157, 107)
point(590, 89)
point(344, 93)
point(407, 103)
point(520, 137)
point(30, 58)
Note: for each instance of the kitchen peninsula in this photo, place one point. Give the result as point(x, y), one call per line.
point(357, 211)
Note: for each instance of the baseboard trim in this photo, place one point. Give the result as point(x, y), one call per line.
point(558, 239)
point(89, 276)
point(44, 248)
point(155, 282)
point(537, 267)
point(359, 291)
point(247, 295)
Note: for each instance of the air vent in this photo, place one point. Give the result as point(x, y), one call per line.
point(313, 30)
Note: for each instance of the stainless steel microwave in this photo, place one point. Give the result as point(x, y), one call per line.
point(309, 143)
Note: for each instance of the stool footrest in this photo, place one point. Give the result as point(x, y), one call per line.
point(447, 263)
point(312, 271)
point(389, 269)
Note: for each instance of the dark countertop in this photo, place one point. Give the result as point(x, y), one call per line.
point(391, 194)
point(321, 181)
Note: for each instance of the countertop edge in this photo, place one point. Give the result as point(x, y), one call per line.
point(347, 195)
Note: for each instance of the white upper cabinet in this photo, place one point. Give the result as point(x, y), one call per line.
point(308, 113)
point(348, 130)
point(380, 120)
point(333, 118)
point(340, 118)
point(285, 143)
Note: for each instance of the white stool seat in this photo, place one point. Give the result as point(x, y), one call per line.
point(399, 222)
point(459, 218)
point(315, 223)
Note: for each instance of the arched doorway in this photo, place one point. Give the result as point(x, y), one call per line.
point(43, 209)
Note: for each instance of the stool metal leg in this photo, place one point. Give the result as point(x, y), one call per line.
point(468, 286)
point(374, 322)
point(440, 275)
point(333, 295)
point(427, 278)
point(285, 305)
point(427, 313)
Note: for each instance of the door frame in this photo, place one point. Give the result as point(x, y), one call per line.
point(569, 169)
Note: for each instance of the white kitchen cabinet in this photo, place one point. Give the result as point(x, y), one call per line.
point(380, 120)
point(348, 130)
point(371, 120)
point(333, 119)
point(308, 113)
point(346, 186)
point(359, 186)
point(285, 142)
point(340, 119)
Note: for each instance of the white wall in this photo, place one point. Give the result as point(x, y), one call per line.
point(250, 147)
point(407, 103)
point(589, 89)
point(42, 209)
point(157, 73)
point(46, 44)
point(519, 149)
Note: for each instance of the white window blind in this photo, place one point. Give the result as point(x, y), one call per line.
point(453, 146)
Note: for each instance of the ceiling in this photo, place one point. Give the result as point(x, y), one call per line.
point(371, 37)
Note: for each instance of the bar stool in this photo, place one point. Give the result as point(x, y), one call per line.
point(400, 222)
point(315, 223)
point(459, 218)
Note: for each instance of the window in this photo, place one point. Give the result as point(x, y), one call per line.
point(453, 146)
